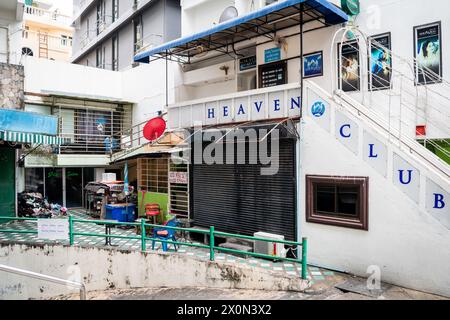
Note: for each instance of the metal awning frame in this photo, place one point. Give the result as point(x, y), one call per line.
point(258, 27)
point(228, 129)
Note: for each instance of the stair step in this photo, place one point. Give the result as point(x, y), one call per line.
point(236, 246)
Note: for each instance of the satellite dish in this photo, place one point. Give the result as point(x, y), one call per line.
point(154, 128)
point(228, 14)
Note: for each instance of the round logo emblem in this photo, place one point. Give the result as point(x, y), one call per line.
point(318, 109)
point(351, 7)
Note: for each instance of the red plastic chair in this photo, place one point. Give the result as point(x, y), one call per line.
point(152, 210)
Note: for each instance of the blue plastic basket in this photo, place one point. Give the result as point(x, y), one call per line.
point(121, 213)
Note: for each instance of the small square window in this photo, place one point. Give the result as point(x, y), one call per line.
point(338, 201)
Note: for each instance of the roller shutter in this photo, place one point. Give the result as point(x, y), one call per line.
point(236, 198)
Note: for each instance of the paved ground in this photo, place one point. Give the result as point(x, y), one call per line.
point(323, 281)
point(315, 275)
point(328, 293)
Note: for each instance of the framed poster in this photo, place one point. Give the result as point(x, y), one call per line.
point(349, 71)
point(272, 74)
point(380, 62)
point(313, 64)
point(428, 53)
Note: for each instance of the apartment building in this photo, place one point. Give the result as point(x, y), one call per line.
point(46, 33)
point(108, 33)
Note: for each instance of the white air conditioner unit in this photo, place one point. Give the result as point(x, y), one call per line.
point(267, 247)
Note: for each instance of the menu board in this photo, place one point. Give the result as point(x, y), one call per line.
point(273, 74)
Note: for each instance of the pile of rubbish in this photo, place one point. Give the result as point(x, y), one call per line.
point(34, 205)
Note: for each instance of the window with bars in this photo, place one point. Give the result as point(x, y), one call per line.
point(138, 33)
point(63, 40)
point(101, 17)
point(115, 53)
point(153, 175)
point(93, 130)
point(100, 57)
point(179, 190)
point(115, 10)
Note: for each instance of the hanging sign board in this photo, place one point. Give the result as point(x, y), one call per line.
point(273, 74)
point(53, 229)
point(178, 177)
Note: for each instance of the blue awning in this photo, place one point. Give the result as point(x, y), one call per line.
point(271, 18)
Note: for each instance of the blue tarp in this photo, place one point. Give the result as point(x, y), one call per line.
point(331, 14)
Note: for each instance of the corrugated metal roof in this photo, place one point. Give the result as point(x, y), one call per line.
point(273, 17)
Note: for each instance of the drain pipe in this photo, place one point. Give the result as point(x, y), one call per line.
point(7, 43)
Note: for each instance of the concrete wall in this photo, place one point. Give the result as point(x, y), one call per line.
point(70, 78)
point(145, 85)
point(102, 269)
point(11, 86)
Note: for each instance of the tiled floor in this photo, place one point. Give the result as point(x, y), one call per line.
point(315, 274)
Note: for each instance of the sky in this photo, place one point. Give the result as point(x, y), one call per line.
point(64, 6)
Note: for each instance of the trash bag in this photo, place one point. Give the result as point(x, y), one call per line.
point(35, 205)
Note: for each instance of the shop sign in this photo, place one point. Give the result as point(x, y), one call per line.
point(268, 103)
point(53, 229)
point(271, 55)
point(178, 177)
point(247, 63)
point(20, 121)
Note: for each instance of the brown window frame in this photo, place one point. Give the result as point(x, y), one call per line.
point(361, 223)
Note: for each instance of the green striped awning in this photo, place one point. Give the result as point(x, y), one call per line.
point(25, 137)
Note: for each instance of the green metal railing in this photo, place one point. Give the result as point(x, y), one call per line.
point(302, 258)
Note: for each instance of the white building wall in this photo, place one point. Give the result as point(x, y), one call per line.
point(45, 75)
point(406, 239)
point(146, 85)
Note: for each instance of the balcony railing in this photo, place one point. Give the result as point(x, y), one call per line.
point(50, 16)
point(31, 39)
point(90, 144)
point(99, 27)
point(148, 42)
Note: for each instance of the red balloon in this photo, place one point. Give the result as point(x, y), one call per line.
point(154, 128)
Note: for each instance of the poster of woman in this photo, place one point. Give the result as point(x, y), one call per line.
point(349, 66)
point(380, 62)
point(428, 53)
